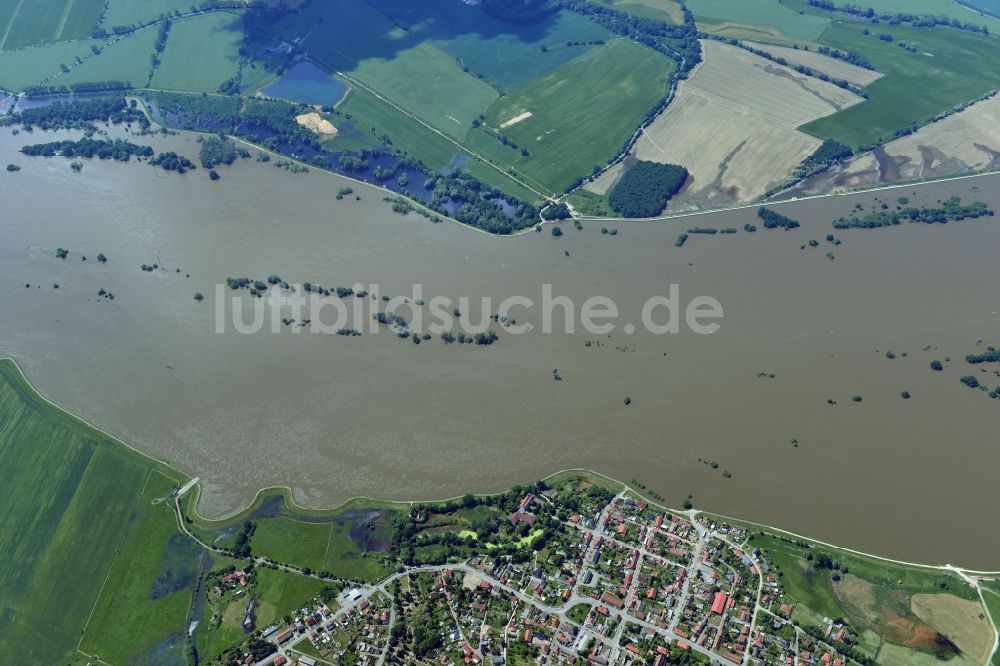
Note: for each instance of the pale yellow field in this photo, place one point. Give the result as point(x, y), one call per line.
point(733, 124)
point(834, 68)
point(960, 620)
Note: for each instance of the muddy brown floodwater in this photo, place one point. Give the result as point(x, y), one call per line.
point(334, 417)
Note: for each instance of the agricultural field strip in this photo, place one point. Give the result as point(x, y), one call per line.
point(111, 566)
point(832, 67)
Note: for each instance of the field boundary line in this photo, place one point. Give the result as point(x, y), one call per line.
point(111, 566)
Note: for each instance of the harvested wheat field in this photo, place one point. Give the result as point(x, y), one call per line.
point(837, 69)
point(965, 142)
point(962, 621)
point(733, 125)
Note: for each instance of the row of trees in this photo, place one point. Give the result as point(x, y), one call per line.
point(916, 20)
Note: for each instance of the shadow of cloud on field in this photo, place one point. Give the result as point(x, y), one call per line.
point(354, 31)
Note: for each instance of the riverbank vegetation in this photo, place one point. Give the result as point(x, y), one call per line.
point(118, 149)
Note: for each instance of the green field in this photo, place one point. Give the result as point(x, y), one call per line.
point(770, 14)
point(201, 54)
point(505, 54)
point(320, 546)
point(950, 67)
point(582, 113)
point(428, 84)
point(29, 22)
point(125, 60)
point(69, 494)
point(122, 13)
point(143, 607)
point(26, 67)
point(435, 151)
point(406, 69)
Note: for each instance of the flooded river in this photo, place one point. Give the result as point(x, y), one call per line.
point(334, 417)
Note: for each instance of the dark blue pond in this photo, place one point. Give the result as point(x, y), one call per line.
point(307, 84)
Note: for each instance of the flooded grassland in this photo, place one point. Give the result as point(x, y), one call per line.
point(336, 416)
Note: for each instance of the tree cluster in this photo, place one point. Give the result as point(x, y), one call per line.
point(645, 188)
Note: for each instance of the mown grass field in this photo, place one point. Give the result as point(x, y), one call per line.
point(26, 67)
point(144, 604)
point(28, 22)
point(582, 113)
point(139, 12)
point(770, 14)
point(69, 494)
point(950, 67)
point(125, 60)
point(201, 53)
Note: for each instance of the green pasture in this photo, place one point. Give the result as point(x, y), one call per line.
point(950, 67)
point(201, 53)
point(582, 113)
point(70, 494)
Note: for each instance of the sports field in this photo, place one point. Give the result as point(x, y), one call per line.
point(201, 54)
point(26, 67)
point(950, 67)
point(28, 22)
point(733, 124)
point(770, 14)
point(69, 495)
point(581, 114)
point(139, 12)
